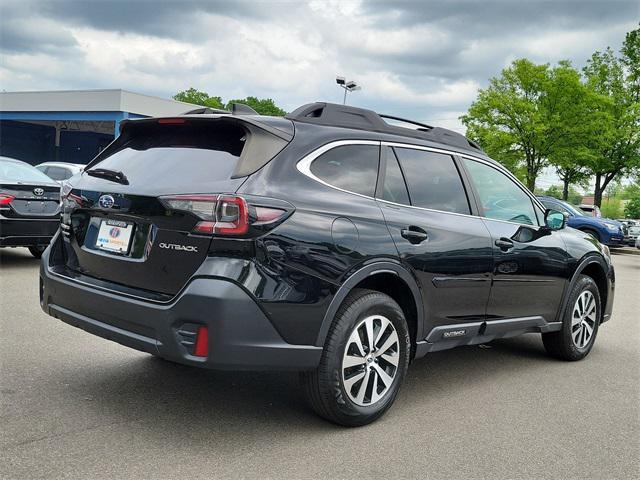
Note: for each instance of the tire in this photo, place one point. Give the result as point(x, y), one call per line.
point(593, 233)
point(571, 343)
point(37, 251)
point(334, 389)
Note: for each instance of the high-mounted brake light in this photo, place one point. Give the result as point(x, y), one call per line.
point(6, 199)
point(171, 121)
point(223, 214)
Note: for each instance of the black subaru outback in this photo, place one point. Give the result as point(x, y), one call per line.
point(335, 241)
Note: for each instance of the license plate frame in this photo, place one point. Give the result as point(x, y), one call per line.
point(114, 236)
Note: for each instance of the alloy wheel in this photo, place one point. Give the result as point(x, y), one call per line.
point(584, 319)
point(370, 360)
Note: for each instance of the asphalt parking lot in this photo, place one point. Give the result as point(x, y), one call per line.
point(77, 406)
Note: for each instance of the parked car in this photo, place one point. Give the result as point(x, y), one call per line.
point(592, 210)
point(329, 242)
point(60, 171)
point(638, 242)
point(634, 233)
point(607, 231)
point(29, 206)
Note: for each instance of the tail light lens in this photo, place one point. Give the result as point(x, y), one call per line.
point(223, 214)
point(5, 199)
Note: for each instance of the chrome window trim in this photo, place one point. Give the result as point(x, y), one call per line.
point(304, 166)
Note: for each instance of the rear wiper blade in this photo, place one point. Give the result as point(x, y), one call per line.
point(107, 174)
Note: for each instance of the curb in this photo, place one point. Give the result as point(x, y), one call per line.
point(624, 251)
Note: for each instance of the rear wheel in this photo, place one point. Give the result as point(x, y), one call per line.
point(364, 361)
point(37, 251)
point(580, 323)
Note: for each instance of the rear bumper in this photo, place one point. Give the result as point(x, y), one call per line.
point(241, 337)
point(18, 232)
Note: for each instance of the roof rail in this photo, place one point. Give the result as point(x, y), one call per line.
point(332, 114)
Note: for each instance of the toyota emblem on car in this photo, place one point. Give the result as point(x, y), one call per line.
point(38, 191)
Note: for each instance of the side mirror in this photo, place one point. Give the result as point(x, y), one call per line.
point(554, 220)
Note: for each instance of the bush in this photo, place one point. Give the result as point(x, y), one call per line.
point(611, 208)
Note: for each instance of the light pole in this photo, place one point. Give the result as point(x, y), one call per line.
point(349, 86)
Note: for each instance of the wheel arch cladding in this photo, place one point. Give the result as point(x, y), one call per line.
point(597, 273)
point(388, 278)
point(595, 268)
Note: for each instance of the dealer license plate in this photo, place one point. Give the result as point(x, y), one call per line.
point(114, 236)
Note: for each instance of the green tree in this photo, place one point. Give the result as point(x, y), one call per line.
point(198, 98)
point(264, 106)
point(556, 191)
point(630, 191)
point(521, 118)
point(616, 151)
point(632, 208)
point(576, 120)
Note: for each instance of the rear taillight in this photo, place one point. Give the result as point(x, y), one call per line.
point(223, 214)
point(5, 199)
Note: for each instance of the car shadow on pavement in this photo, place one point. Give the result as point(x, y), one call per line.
point(16, 258)
point(161, 396)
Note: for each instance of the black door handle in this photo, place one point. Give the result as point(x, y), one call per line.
point(504, 244)
point(414, 234)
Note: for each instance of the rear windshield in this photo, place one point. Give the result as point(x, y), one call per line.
point(21, 173)
point(191, 152)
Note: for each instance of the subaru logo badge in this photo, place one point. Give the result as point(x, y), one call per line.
point(38, 191)
point(106, 201)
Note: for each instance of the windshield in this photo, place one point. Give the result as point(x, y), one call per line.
point(21, 173)
point(574, 210)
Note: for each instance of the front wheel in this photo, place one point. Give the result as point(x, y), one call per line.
point(365, 358)
point(579, 325)
point(37, 251)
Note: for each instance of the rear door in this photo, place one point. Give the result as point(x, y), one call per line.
point(530, 262)
point(137, 228)
point(430, 219)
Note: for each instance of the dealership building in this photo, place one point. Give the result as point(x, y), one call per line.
point(74, 125)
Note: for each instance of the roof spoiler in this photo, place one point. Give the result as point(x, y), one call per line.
point(236, 109)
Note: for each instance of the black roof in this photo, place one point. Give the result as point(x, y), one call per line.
point(335, 115)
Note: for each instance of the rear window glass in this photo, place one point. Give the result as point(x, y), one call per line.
point(58, 173)
point(351, 167)
point(433, 180)
point(193, 152)
point(21, 172)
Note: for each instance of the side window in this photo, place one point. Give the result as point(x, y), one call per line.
point(433, 180)
point(501, 197)
point(394, 189)
point(351, 167)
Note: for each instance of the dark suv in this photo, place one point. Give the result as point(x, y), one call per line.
point(334, 241)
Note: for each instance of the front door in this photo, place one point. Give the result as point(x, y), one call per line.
point(431, 224)
point(530, 261)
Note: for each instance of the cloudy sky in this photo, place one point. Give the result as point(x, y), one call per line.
point(420, 59)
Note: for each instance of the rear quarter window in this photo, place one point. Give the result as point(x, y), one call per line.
point(353, 168)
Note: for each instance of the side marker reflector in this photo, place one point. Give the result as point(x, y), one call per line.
point(202, 342)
